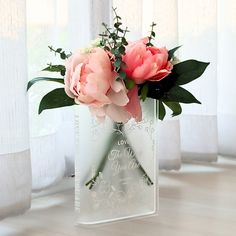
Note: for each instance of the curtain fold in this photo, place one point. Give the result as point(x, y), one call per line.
point(15, 166)
point(50, 153)
point(198, 35)
point(166, 14)
point(226, 82)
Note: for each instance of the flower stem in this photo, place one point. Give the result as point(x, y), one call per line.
point(118, 130)
point(141, 169)
point(100, 168)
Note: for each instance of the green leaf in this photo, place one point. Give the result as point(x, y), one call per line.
point(122, 74)
point(118, 62)
point(189, 70)
point(59, 50)
point(129, 83)
point(107, 48)
point(175, 107)
point(144, 92)
point(113, 36)
point(124, 41)
point(120, 30)
point(153, 34)
point(123, 65)
point(172, 52)
point(113, 50)
point(63, 55)
point(162, 110)
point(55, 68)
point(38, 79)
point(117, 24)
point(55, 99)
point(121, 49)
point(63, 72)
point(179, 94)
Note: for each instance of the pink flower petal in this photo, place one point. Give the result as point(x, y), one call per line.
point(142, 72)
point(134, 107)
point(118, 98)
point(117, 113)
point(116, 85)
point(98, 60)
point(144, 62)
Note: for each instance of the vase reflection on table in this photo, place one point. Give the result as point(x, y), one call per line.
point(116, 167)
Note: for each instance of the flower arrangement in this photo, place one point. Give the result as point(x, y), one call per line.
point(117, 79)
point(113, 76)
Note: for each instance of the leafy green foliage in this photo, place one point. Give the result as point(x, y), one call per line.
point(38, 79)
point(175, 107)
point(162, 110)
point(152, 35)
point(179, 94)
point(113, 40)
point(168, 90)
point(122, 75)
point(157, 89)
point(124, 41)
point(56, 68)
point(144, 92)
point(55, 99)
point(60, 51)
point(189, 70)
point(129, 83)
point(172, 52)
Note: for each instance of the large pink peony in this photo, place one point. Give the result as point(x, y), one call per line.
point(90, 80)
point(146, 63)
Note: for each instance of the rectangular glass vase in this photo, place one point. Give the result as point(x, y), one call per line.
point(116, 167)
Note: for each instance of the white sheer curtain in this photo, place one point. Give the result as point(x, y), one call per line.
point(15, 170)
point(47, 21)
point(198, 35)
point(226, 76)
point(69, 24)
point(205, 28)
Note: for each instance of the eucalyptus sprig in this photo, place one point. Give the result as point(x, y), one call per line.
point(55, 68)
point(152, 34)
point(57, 97)
point(114, 41)
point(60, 51)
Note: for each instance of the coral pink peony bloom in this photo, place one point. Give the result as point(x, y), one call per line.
point(90, 80)
point(146, 63)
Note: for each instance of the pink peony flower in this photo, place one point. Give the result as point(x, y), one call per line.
point(146, 63)
point(90, 80)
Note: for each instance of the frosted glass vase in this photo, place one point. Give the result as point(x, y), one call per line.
point(116, 167)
